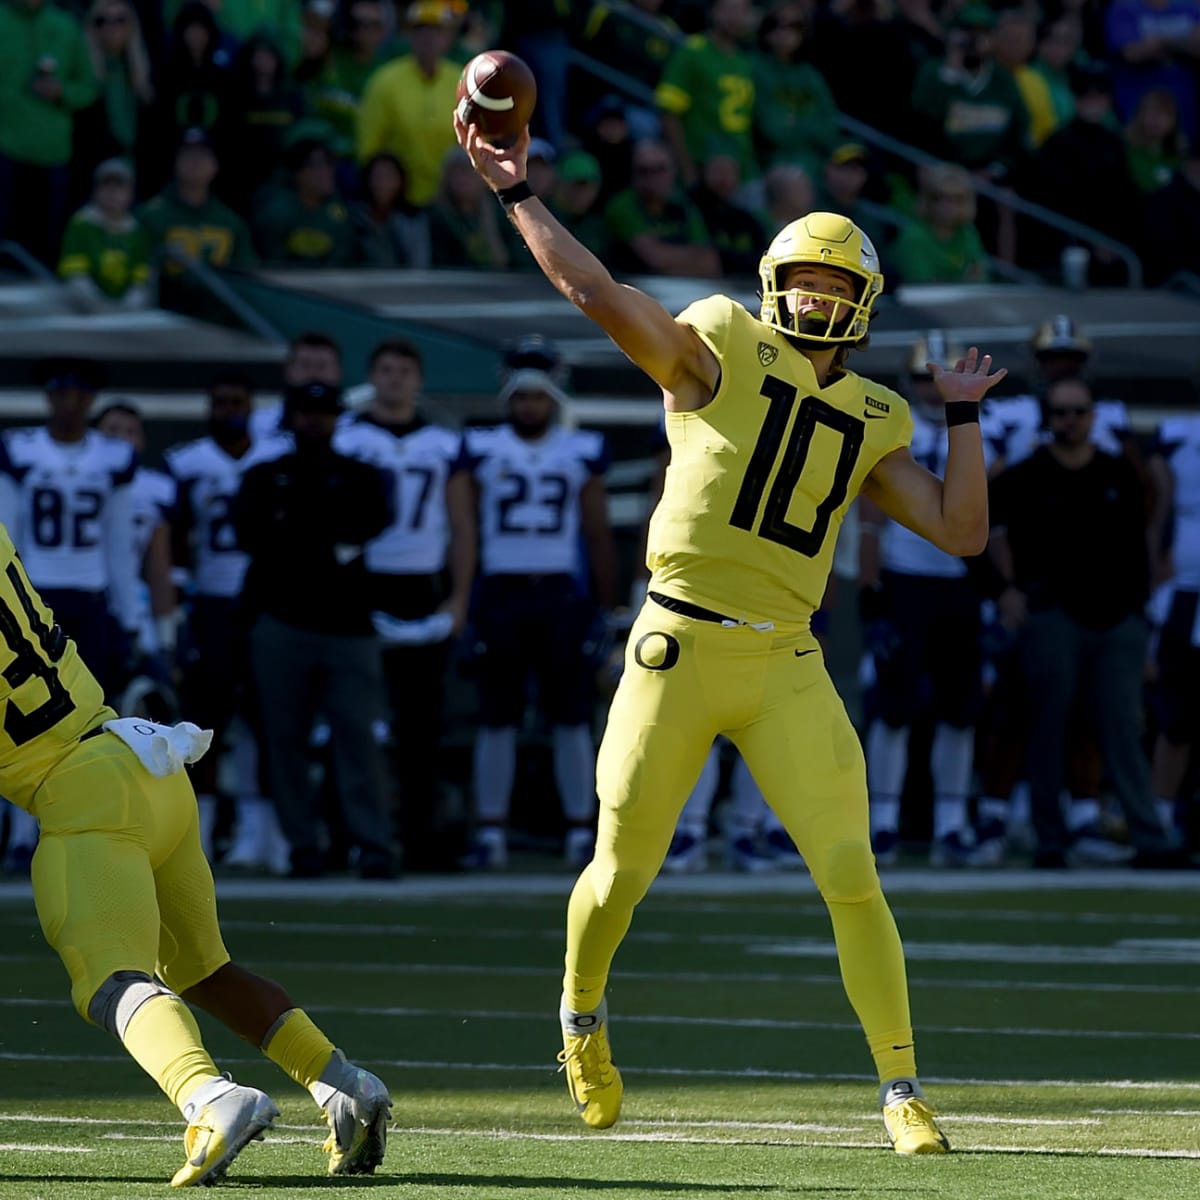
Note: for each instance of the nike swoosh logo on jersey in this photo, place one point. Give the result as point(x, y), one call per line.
point(802, 653)
point(874, 415)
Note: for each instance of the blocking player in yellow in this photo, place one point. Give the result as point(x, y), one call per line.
point(125, 896)
point(771, 438)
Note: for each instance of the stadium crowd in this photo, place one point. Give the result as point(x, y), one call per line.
point(315, 133)
point(342, 564)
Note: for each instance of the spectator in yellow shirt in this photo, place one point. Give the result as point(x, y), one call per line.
point(407, 104)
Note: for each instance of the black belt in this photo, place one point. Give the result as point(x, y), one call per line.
point(686, 609)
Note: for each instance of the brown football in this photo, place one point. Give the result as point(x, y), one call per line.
point(497, 92)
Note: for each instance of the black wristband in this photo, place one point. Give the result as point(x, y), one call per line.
point(962, 412)
point(510, 197)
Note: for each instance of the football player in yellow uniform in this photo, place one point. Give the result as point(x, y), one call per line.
point(771, 438)
point(125, 896)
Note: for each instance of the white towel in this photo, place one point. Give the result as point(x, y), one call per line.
point(421, 632)
point(163, 749)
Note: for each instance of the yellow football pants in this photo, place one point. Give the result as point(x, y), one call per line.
point(119, 879)
point(685, 682)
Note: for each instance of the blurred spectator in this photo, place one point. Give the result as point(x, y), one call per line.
point(304, 519)
point(1014, 43)
point(407, 103)
point(608, 138)
point(45, 78)
point(105, 256)
point(1155, 44)
point(1059, 48)
point(117, 124)
point(312, 357)
point(707, 88)
point(919, 30)
point(65, 497)
point(419, 572)
point(335, 80)
point(1081, 170)
point(736, 232)
point(216, 681)
point(844, 179)
point(192, 87)
point(304, 222)
point(465, 221)
point(795, 117)
point(941, 243)
point(542, 173)
point(788, 194)
point(922, 626)
point(654, 228)
point(1172, 216)
point(576, 200)
point(1069, 540)
point(1154, 140)
point(1176, 611)
point(640, 36)
point(540, 32)
point(388, 231)
point(264, 110)
point(277, 20)
point(547, 563)
point(969, 106)
point(187, 219)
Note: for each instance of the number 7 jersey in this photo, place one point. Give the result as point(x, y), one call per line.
point(761, 478)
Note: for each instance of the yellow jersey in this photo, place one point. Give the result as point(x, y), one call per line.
point(48, 698)
point(760, 478)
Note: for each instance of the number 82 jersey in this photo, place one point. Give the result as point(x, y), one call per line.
point(761, 478)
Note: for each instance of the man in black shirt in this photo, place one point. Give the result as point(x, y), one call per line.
point(1069, 536)
point(303, 519)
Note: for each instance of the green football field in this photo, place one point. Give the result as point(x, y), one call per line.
point(1057, 1022)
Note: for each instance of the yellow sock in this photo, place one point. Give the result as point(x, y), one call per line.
point(164, 1040)
point(872, 962)
point(298, 1047)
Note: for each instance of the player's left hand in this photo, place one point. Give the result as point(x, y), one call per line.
point(969, 379)
point(500, 167)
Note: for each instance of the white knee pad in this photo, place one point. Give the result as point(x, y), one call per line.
point(120, 996)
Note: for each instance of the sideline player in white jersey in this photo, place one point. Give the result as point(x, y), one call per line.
point(153, 504)
point(1175, 609)
point(213, 651)
point(312, 357)
point(541, 492)
point(420, 571)
point(66, 498)
point(922, 627)
point(1059, 350)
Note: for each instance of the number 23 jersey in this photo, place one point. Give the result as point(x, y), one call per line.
point(761, 478)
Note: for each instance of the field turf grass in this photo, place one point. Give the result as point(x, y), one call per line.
point(1058, 1032)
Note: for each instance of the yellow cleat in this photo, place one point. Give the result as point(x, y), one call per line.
point(220, 1131)
point(357, 1115)
point(912, 1129)
point(592, 1079)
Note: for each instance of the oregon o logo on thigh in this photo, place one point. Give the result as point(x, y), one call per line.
point(656, 651)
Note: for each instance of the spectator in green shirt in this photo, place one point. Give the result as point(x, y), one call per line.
point(464, 219)
point(45, 78)
point(655, 229)
point(707, 88)
point(304, 222)
point(188, 220)
point(576, 201)
point(736, 232)
point(105, 258)
point(941, 244)
point(1154, 140)
point(388, 231)
point(795, 117)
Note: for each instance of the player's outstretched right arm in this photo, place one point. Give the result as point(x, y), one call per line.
point(669, 352)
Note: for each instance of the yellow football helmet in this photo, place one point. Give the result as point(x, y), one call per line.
point(825, 240)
